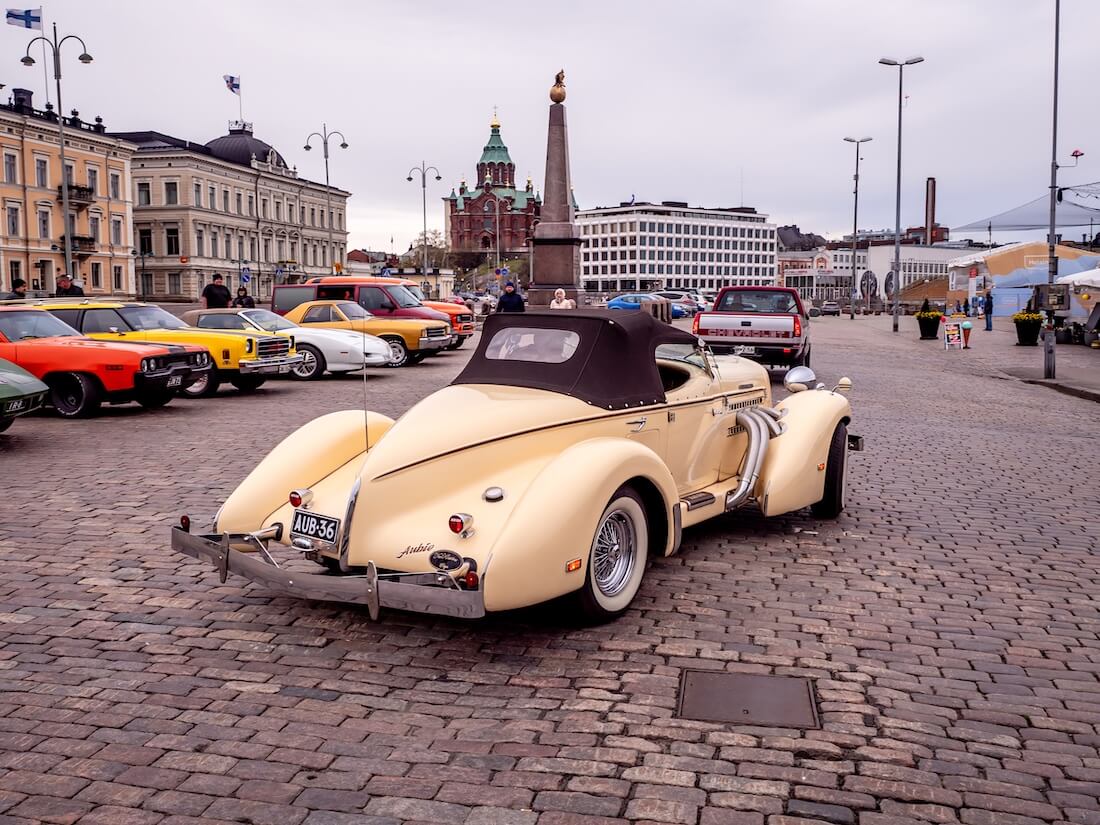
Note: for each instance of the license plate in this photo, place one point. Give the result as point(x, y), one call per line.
point(16, 405)
point(744, 350)
point(313, 526)
point(284, 368)
point(175, 380)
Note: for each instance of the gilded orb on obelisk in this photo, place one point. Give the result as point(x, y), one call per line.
point(557, 91)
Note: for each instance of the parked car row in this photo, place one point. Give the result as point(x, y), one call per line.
point(77, 354)
point(684, 303)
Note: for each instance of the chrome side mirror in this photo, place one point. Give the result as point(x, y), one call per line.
point(843, 386)
point(798, 379)
point(114, 330)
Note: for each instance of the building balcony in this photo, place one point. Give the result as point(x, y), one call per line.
point(79, 196)
point(81, 245)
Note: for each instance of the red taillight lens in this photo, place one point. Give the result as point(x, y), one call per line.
point(695, 325)
point(456, 523)
point(797, 327)
point(471, 579)
point(295, 498)
point(185, 524)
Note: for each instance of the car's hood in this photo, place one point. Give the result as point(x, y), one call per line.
point(352, 341)
point(137, 348)
point(16, 381)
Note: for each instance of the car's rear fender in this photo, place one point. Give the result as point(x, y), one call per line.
point(555, 518)
point(793, 474)
point(305, 457)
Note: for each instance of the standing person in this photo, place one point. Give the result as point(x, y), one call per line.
point(243, 299)
point(510, 301)
point(66, 287)
point(561, 302)
point(18, 290)
point(215, 295)
point(988, 307)
point(966, 307)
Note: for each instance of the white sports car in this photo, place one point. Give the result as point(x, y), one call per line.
point(322, 350)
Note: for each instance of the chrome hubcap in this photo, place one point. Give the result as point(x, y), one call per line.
point(198, 386)
point(614, 553)
point(397, 352)
point(308, 365)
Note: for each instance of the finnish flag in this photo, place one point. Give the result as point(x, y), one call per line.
point(25, 18)
point(232, 83)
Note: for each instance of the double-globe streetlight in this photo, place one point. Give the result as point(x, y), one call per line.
point(901, 64)
point(55, 46)
point(324, 136)
point(424, 170)
point(855, 230)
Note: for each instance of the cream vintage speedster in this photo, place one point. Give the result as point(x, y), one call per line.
point(572, 448)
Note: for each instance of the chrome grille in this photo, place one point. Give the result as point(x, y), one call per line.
point(273, 347)
point(437, 332)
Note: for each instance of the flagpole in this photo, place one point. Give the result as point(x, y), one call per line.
point(45, 71)
point(240, 101)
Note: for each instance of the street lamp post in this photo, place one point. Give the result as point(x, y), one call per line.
point(141, 277)
point(855, 230)
point(901, 64)
point(1052, 252)
point(324, 135)
point(55, 45)
point(423, 170)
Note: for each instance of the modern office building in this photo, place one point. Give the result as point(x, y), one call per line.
point(97, 175)
point(642, 246)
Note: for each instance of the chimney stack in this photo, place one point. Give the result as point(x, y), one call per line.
point(23, 100)
point(929, 209)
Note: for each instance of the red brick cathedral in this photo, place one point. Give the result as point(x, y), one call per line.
point(494, 206)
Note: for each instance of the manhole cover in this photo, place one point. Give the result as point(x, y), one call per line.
point(746, 699)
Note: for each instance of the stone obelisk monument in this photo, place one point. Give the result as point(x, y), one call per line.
point(557, 243)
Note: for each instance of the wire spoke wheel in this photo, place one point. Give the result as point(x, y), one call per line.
point(614, 554)
point(617, 557)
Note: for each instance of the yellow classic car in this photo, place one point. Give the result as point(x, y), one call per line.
point(409, 339)
point(577, 446)
point(243, 359)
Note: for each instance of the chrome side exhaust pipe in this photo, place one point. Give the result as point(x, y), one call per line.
point(761, 424)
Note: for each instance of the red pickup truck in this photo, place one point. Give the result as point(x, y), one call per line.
point(766, 323)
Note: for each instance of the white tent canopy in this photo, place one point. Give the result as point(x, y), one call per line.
point(1089, 278)
point(1079, 206)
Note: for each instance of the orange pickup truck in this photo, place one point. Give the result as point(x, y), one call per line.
point(82, 373)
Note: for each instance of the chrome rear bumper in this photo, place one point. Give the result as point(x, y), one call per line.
point(369, 589)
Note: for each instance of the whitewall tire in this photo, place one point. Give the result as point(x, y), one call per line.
point(617, 557)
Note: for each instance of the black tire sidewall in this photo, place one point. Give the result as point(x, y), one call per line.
point(407, 359)
point(832, 502)
point(89, 394)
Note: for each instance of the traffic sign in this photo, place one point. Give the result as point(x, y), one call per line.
point(504, 270)
point(245, 277)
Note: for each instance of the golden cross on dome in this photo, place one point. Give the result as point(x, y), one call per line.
point(495, 123)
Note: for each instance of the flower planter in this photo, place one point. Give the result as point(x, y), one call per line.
point(929, 327)
point(1027, 333)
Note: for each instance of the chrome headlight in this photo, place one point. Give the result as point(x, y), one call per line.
point(292, 342)
point(249, 345)
point(145, 367)
point(799, 379)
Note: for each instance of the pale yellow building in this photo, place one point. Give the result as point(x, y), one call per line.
point(231, 207)
point(98, 177)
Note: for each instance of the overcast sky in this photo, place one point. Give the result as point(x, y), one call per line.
point(666, 101)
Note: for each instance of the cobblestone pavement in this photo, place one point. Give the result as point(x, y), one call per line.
point(949, 620)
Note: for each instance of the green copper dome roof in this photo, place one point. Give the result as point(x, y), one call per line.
point(495, 151)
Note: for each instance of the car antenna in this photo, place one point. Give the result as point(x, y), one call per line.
point(366, 415)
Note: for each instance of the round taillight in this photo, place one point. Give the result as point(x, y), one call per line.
point(471, 579)
point(457, 523)
point(295, 498)
point(185, 524)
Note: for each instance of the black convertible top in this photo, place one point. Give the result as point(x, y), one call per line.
point(608, 358)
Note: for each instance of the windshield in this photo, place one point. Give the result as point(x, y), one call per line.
point(19, 326)
point(758, 300)
point(416, 292)
point(403, 297)
point(147, 318)
point(267, 320)
point(684, 353)
point(352, 311)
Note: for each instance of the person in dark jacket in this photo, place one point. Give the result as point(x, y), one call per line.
point(66, 287)
point(18, 291)
point(243, 299)
point(988, 307)
point(510, 301)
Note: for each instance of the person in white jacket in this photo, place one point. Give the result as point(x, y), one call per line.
point(561, 302)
